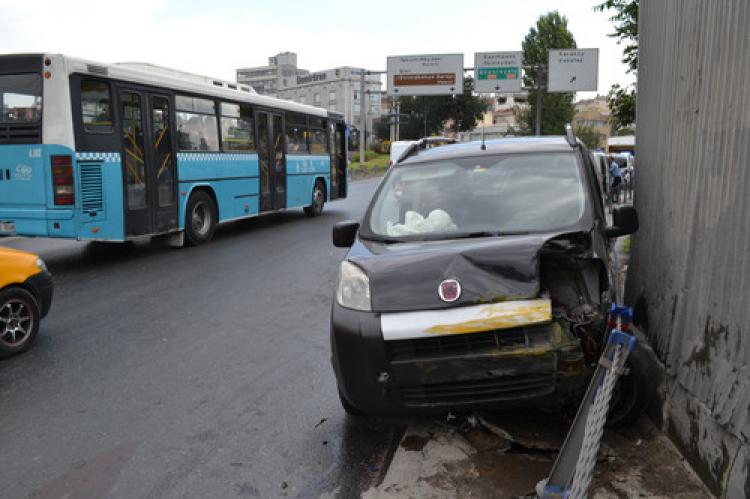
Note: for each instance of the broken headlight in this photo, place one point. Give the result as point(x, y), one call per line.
point(354, 288)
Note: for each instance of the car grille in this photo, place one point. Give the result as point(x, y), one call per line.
point(479, 390)
point(464, 344)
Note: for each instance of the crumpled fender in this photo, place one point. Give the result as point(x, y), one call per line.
point(406, 276)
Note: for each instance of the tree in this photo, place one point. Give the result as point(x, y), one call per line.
point(626, 28)
point(551, 32)
point(424, 116)
point(381, 127)
point(622, 100)
point(589, 137)
point(621, 103)
point(467, 108)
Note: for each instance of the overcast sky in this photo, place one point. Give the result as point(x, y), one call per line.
point(216, 37)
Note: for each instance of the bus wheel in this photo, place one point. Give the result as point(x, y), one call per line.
point(200, 218)
point(318, 200)
point(19, 320)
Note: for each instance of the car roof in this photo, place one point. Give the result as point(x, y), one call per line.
point(494, 146)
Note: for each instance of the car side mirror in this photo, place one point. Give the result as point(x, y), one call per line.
point(344, 233)
point(624, 221)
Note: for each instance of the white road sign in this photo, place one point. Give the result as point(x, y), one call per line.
point(435, 74)
point(497, 72)
point(572, 70)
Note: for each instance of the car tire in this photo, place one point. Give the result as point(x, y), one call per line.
point(200, 218)
point(631, 395)
point(318, 200)
point(349, 408)
point(19, 321)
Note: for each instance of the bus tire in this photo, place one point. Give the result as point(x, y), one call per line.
point(19, 320)
point(200, 218)
point(318, 200)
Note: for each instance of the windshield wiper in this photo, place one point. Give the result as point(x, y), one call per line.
point(486, 233)
point(381, 239)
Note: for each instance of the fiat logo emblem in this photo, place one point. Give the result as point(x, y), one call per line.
point(449, 290)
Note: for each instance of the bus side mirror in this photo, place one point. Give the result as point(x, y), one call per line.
point(344, 233)
point(624, 221)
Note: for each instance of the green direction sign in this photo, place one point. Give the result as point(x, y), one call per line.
point(497, 72)
point(509, 73)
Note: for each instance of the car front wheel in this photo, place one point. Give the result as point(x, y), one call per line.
point(19, 321)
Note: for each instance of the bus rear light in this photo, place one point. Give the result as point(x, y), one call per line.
point(62, 180)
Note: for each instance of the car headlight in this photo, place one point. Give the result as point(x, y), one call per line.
point(354, 288)
point(42, 266)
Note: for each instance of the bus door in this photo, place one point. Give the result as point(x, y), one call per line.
point(337, 141)
point(272, 160)
point(148, 160)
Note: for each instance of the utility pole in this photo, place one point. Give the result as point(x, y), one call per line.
point(398, 118)
point(362, 117)
point(539, 100)
point(392, 120)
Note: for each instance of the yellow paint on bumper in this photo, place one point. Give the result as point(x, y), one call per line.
point(503, 315)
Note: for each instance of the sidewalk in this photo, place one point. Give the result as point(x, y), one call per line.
point(505, 455)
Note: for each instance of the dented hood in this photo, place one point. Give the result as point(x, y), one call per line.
point(406, 276)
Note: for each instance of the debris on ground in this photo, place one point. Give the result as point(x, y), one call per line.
point(506, 454)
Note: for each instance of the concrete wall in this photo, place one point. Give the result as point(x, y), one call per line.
point(690, 267)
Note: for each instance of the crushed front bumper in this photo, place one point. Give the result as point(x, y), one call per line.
point(526, 366)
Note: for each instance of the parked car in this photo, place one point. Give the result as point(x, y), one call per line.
point(26, 289)
point(480, 277)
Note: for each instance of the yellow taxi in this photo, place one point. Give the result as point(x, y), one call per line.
point(25, 298)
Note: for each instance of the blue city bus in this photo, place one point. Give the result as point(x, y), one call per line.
point(113, 152)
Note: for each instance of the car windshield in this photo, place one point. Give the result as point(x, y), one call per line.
point(467, 197)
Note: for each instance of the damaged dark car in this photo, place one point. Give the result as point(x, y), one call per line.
point(480, 277)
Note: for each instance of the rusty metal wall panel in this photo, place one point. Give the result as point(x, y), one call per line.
point(689, 274)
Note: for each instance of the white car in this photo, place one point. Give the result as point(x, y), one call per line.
point(397, 148)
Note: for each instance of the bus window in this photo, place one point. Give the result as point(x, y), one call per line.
point(96, 109)
point(296, 128)
point(237, 128)
point(197, 129)
point(318, 140)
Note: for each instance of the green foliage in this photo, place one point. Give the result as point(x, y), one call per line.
point(589, 137)
point(467, 108)
point(375, 164)
point(379, 147)
point(551, 32)
point(425, 116)
point(621, 103)
point(622, 100)
point(381, 127)
point(626, 27)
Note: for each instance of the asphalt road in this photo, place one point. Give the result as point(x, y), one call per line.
point(198, 372)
